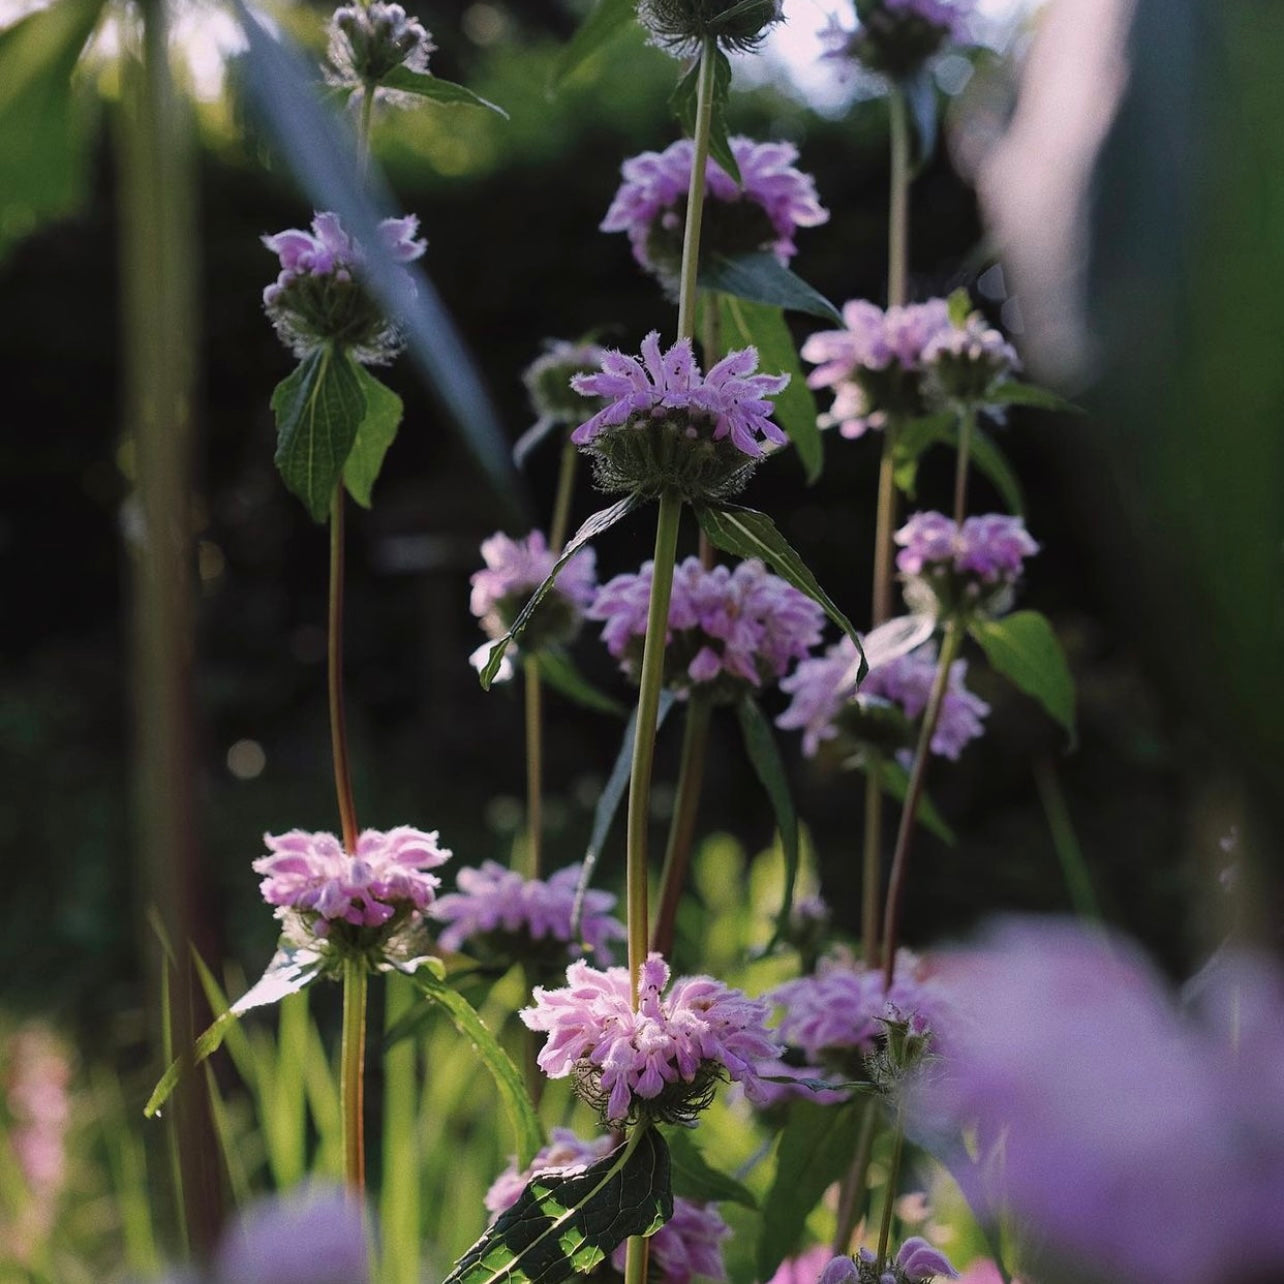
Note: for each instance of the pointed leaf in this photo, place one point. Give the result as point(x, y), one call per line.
point(894, 781)
point(815, 1150)
point(607, 20)
point(762, 325)
point(694, 1178)
point(993, 463)
point(1015, 393)
point(960, 307)
point(507, 1077)
point(436, 90)
point(1024, 649)
point(749, 533)
point(558, 669)
point(289, 971)
point(685, 99)
point(769, 767)
point(608, 803)
point(593, 526)
point(564, 1225)
point(375, 433)
point(917, 435)
point(761, 278)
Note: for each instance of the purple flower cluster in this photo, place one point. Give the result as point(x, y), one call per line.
point(947, 567)
point(967, 361)
point(821, 698)
point(896, 37)
point(316, 298)
point(494, 899)
point(660, 1059)
point(803, 1269)
point(731, 399)
point(689, 1244)
point(764, 211)
point(1130, 1139)
point(915, 1261)
point(367, 41)
point(311, 876)
point(725, 626)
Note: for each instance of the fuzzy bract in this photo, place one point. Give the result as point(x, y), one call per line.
point(367, 41)
point(896, 37)
point(949, 567)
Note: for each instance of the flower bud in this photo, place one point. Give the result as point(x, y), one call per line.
point(896, 37)
point(369, 41)
point(548, 380)
point(682, 26)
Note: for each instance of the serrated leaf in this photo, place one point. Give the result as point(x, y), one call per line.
point(43, 126)
point(769, 767)
point(375, 433)
point(694, 1178)
point(562, 1225)
point(559, 671)
point(593, 526)
point(749, 533)
point(318, 410)
point(289, 971)
point(609, 800)
point(922, 106)
point(762, 326)
point(893, 779)
point(437, 90)
point(1024, 649)
point(606, 20)
point(1013, 392)
point(815, 1149)
point(507, 1077)
point(761, 278)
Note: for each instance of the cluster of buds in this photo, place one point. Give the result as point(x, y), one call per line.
point(915, 1262)
point(367, 41)
point(896, 37)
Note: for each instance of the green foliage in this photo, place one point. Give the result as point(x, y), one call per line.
point(1024, 649)
point(375, 433)
point(561, 1225)
point(762, 325)
point(761, 278)
point(1013, 392)
point(893, 779)
point(434, 89)
point(606, 20)
point(560, 672)
point(684, 103)
point(694, 1178)
point(918, 435)
point(43, 126)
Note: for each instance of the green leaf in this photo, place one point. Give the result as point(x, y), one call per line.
point(607, 20)
point(694, 1178)
point(993, 463)
point(917, 435)
point(1024, 649)
point(318, 411)
point(289, 971)
point(749, 533)
point(608, 802)
point(565, 1225)
point(558, 669)
point(43, 127)
point(815, 1150)
point(437, 90)
point(762, 325)
point(960, 307)
point(769, 767)
point(921, 104)
point(375, 433)
point(761, 278)
point(684, 101)
point(894, 780)
point(593, 526)
point(507, 1077)
point(1015, 393)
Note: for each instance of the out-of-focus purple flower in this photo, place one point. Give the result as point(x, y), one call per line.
point(1128, 1139)
point(918, 1260)
point(948, 568)
point(820, 692)
point(317, 299)
point(566, 1151)
point(314, 1236)
point(548, 381)
point(907, 683)
point(311, 876)
point(367, 41)
point(660, 1060)
point(965, 362)
point(896, 37)
point(729, 627)
point(764, 212)
point(807, 1268)
point(495, 900)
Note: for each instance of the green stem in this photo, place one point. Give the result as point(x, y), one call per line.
point(636, 1253)
point(913, 793)
point(560, 525)
point(898, 209)
point(695, 192)
point(352, 1073)
point(967, 425)
point(651, 683)
point(677, 856)
point(334, 677)
point(851, 1194)
point(534, 768)
point(889, 1201)
point(365, 125)
point(884, 527)
point(872, 865)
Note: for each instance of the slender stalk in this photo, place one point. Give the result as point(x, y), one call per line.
point(677, 856)
point(871, 895)
point(851, 1194)
point(913, 793)
point(967, 425)
point(898, 208)
point(365, 122)
point(636, 1253)
point(651, 683)
point(334, 678)
point(534, 767)
point(712, 343)
point(352, 1073)
point(559, 528)
point(695, 192)
point(889, 1201)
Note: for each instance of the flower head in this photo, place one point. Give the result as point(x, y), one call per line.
point(682, 26)
point(965, 362)
point(498, 910)
point(548, 379)
point(667, 426)
point(728, 629)
point(896, 37)
point(764, 211)
point(367, 41)
point(916, 1260)
point(660, 1060)
point(317, 298)
point(807, 1268)
point(948, 567)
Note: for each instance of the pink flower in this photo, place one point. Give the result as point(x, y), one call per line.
point(806, 1268)
point(990, 549)
point(515, 567)
point(659, 1059)
point(918, 1260)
